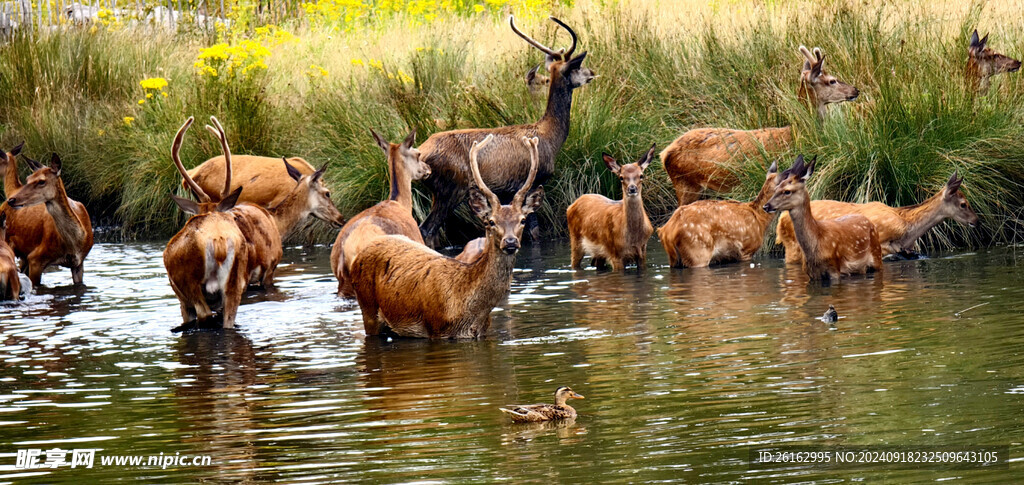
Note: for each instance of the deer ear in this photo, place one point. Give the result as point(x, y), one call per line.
point(983, 43)
point(381, 142)
point(816, 69)
point(478, 202)
point(646, 159)
point(533, 200)
point(575, 62)
point(55, 163)
point(293, 172)
point(610, 163)
point(33, 164)
point(229, 202)
point(774, 168)
point(532, 74)
point(16, 150)
point(319, 173)
point(953, 184)
point(810, 168)
point(187, 206)
point(974, 40)
point(409, 140)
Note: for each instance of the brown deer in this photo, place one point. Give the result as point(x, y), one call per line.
point(417, 292)
point(10, 284)
point(612, 231)
point(898, 228)
point(717, 231)
point(9, 167)
point(708, 158)
point(45, 226)
point(983, 63)
point(832, 247)
point(266, 180)
point(392, 216)
point(537, 83)
point(472, 250)
point(507, 163)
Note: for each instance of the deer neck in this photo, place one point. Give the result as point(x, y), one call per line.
point(921, 218)
point(64, 218)
point(401, 185)
point(11, 182)
point(767, 190)
point(977, 82)
point(556, 115)
point(808, 233)
point(807, 95)
point(636, 220)
point(489, 277)
point(290, 211)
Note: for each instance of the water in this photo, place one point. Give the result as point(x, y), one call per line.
point(684, 371)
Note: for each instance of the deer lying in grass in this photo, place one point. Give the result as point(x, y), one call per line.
point(392, 216)
point(983, 63)
point(417, 292)
point(717, 231)
point(507, 164)
point(612, 231)
point(9, 168)
point(707, 158)
point(832, 247)
point(10, 284)
point(898, 228)
point(45, 226)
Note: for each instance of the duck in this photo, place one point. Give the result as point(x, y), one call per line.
point(831, 315)
point(535, 413)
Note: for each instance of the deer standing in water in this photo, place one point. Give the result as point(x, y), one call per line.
point(417, 292)
point(266, 179)
point(10, 284)
point(707, 158)
point(392, 216)
point(898, 228)
point(508, 161)
point(9, 168)
point(832, 247)
point(612, 231)
point(983, 63)
point(45, 226)
point(718, 231)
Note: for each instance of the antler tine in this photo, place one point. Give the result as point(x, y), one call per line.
point(218, 131)
point(175, 148)
point(538, 45)
point(475, 166)
point(572, 34)
point(531, 144)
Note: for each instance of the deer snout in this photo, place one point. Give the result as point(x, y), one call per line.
point(768, 208)
point(633, 190)
point(853, 96)
point(12, 202)
point(1014, 67)
point(510, 244)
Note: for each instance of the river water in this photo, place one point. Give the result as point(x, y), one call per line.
point(684, 372)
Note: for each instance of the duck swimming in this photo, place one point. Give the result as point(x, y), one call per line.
point(533, 413)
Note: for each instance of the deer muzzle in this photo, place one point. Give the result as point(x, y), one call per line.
point(768, 208)
point(633, 190)
point(510, 245)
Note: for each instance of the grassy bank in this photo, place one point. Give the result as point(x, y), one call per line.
point(665, 67)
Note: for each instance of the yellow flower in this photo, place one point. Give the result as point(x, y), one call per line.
point(142, 102)
point(315, 70)
point(357, 62)
point(478, 8)
point(154, 83)
point(101, 132)
point(163, 94)
point(128, 120)
point(149, 95)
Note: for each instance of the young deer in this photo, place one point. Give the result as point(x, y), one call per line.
point(392, 216)
point(717, 231)
point(10, 284)
point(46, 227)
point(612, 231)
point(507, 163)
point(707, 158)
point(417, 292)
point(208, 260)
point(9, 168)
point(832, 247)
point(898, 228)
point(983, 63)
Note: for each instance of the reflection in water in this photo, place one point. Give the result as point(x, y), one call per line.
point(683, 369)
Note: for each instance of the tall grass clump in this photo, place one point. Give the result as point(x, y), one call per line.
point(320, 83)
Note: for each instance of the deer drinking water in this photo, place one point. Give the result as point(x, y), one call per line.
point(45, 226)
point(898, 228)
point(417, 292)
point(706, 158)
point(508, 162)
point(832, 247)
point(718, 231)
point(983, 63)
point(392, 216)
point(612, 231)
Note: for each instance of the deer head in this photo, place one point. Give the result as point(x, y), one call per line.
point(819, 87)
point(791, 190)
point(563, 69)
point(6, 157)
point(320, 204)
point(955, 205)
point(536, 82)
point(504, 223)
point(406, 158)
point(983, 62)
point(206, 204)
point(43, 185)
point(630, 175)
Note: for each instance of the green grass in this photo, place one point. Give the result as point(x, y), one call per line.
point(913, 125)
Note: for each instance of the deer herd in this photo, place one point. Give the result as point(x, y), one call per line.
point(247, 205)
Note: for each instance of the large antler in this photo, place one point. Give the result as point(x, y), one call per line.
point(567, 55)
point(218, 131)
point(538, 45)
point(531, 144)
point(475, 167)
point(175, 148)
